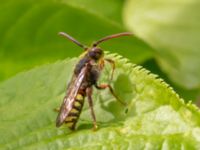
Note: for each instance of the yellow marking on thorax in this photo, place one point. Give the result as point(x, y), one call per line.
point(101, 63)
point(83, 54)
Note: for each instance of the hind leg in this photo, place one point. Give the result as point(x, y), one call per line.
point(90, 101)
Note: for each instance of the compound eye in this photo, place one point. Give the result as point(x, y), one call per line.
point(95, 53)
point(92, 54)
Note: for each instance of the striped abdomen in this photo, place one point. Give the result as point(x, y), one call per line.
point(74, 114)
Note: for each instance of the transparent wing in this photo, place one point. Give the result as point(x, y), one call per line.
point(70, 96)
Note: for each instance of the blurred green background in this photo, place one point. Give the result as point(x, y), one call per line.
point(166, 35)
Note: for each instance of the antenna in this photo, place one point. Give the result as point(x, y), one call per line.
point(111, 37)
point(72, 39)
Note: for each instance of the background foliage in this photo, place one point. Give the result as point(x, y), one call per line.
point(29, 30)
point(166, 38)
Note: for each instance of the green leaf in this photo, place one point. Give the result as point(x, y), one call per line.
point(111, 10)
point(29, 30)
point(187, 95)
point(155, 116)
point(173, 29)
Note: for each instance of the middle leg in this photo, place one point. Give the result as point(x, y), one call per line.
point(104, 86)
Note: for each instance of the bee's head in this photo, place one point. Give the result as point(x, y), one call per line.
point(95, 53)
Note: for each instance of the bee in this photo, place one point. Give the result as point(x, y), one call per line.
point(85, 76)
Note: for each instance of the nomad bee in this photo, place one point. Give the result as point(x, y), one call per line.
point(85, 76)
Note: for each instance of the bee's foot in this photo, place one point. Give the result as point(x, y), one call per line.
point(95, 127)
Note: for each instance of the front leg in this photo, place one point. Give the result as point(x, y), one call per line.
point(90, 101)
point(104, 86)
point(112, 62)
